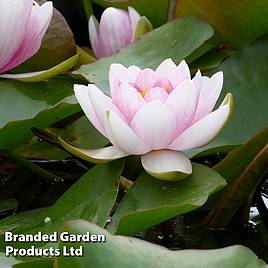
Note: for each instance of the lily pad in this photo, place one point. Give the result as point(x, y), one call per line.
point(8, 204)
point(244, 78)
point(46, 74)
point(237, 22)
point(39, 263)
point(151, 201)
point(23, 106)
point(83, 134)
point(7, 262)
point(156, 12)
point(92, 198)
point(80, 133)
point(237, 160)
point(120, 251)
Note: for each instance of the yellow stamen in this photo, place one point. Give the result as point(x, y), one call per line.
point(143, 92)
point(165, 87)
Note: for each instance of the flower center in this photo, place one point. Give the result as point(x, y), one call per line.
point(143, 92)
point(166, 87)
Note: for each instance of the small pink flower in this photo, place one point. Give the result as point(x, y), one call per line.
point(23, 24)
point(114, 32)
point(156, 114)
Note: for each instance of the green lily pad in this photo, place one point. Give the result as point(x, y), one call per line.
point(11, 262)
point(23, 106)
point(22, 221)
point(150, 51)
point(120, 251)
point(92, 198)
point(46, 74)
point(244, 78)
point(236, 161)
point(38, 149)
point(80, 133)
point(8, 204)
point(232, 166)
point(41, 263)
point(237, 22)
point(7, 262)
point(83, 134)
point(156, 12)
point(151, 201)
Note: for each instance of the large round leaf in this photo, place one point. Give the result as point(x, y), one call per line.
point(92, 198)
point(23, 106)
point(244, 77)
point(155, 11)
point(120, 251)
point(151, 201)
point(237, 22)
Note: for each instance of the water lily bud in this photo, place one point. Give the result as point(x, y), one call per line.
point(156, 114)
point(23, 24)
point(114, 31)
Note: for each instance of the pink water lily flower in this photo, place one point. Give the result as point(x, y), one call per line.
point(156, 114)
point(114, 31)
point(23, 24)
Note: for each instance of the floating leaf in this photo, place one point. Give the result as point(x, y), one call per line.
point(239, 190)
point(243, 77)
point(92, 198)
point(27, 105)
point(8, 204)
point(156, 12)
point(237, 22)
point(163, 200)
point(120, 251)
point(47, 74)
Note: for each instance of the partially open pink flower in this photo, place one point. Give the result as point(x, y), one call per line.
point(156, 114)
point(114, 32)
point(23, 24)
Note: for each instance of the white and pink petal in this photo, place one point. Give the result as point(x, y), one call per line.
point(182, 102)
point(97, 156)
point(82, 95)
point(36, 27)
point(114, 30)
point(155, 124)
point(205, 130)
point(128, 100)
point(118, 74)
point(165, 68)
point(165, 84)
point(179, 74)
point(134, 17)
point(156, 93)
point(11, 31)
point(146, 79)
point(93, 27)
point(167, 165)
point(122, 136)
point(209, 93)
point(101, 103)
